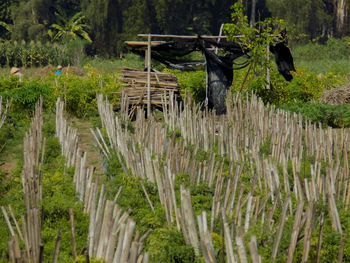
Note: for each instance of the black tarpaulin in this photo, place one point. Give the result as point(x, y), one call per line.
point(219, 69)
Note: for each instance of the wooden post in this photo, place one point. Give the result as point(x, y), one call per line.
point(74, 246)
point(149, 76)
point(295, 232)
point(319, 244)
point(220, 33)
point(268, 86)
point(57, 247)
point(252, 16)
point(341, 248)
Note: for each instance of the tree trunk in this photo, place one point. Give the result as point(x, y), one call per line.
point(252, 16)
point(341, 8)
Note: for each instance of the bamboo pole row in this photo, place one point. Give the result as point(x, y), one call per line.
point(111, 233)
point(66, 135)
point(30, 232)
point(269, 144)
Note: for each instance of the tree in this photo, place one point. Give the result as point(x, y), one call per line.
point(31, 19)
point(255, 39)
point(5, 18)
point(340, 10)
point(105, 21)
point(303, 17)
point(69, 29)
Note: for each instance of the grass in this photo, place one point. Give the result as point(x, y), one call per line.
point(333, 56)
point(114, 65)
point(324, 66)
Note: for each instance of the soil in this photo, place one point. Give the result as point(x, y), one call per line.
point(8, 167)
point(87, 144)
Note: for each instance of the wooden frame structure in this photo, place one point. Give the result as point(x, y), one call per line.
point(147, 46)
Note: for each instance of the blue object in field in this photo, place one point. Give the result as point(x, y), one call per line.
point(58, 72)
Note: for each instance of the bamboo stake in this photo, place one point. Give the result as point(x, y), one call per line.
point(74, 246)
point(256, 258)
point(147, 196)
point(308, 230)
point(7, 221)
point(280, 229)
point(57, 247)
point(341, 248)
point(295, 232)
point(240, 245)
point(319, 243)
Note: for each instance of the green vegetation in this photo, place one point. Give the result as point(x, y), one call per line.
point(58, 192)
point(334, 116)
point(319, 67)
point(79, 92)
point(35, 54)
point(109, 23)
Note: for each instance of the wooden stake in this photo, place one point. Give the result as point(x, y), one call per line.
point(57, 247)
point(149, 76)
point(74, 246)
point(295, 233)
point(319, 244)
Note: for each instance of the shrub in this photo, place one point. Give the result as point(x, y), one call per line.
point(305, 86)
point(78, 92)
point(334, 116)
point(192, 82)
point(52, 149)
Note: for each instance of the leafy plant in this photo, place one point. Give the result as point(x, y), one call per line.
point(69, 29)
point(254, 39)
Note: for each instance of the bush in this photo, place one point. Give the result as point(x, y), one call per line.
point(192, 82)
point(305, 86)
point(78, 92)
point(52, 150)
point(25, 95)
point(334, 116)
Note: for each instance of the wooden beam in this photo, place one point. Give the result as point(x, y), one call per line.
point(139, 44)
point(186, 37)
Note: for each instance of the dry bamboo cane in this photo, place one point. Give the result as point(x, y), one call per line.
point(280, 229)
point(74, 246)
point(57, 247)
point(295, 232)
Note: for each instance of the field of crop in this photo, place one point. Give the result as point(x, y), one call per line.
point(267, 182)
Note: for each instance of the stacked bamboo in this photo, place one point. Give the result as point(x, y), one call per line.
point(135, 88)
point(3, 111)
point(239, 137)
point(30, 233)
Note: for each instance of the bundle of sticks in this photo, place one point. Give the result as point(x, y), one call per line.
point(135, 89)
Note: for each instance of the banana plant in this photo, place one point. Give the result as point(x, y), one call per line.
point(68, 29)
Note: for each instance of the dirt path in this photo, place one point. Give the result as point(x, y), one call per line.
point(87, 144)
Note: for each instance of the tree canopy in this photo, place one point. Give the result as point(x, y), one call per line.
point(110, 22)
